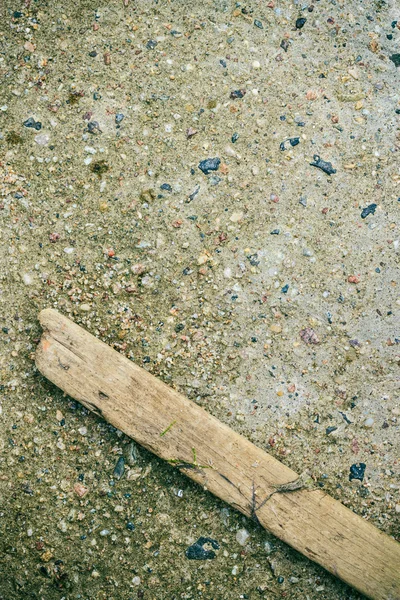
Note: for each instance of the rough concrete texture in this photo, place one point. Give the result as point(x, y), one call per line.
point(263, 290)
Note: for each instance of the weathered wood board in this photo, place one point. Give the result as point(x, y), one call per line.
point(213, 455)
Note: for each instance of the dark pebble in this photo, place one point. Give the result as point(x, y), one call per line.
point(119, 468)
point(330, 429)
point(237, 94)
point(396, 59)
point(300, 22)
point(209, 164)
point(292, 141)
point(93, 54)
point(325, 166)
point(193, 195)
point(119, 117)
point(389, 36)
point(223, 63)
point(369, 210)
point(394, 23)
point(253, 258)
point(32, 123)
point(93, 126)
point(275, 232)
point(17, 14)
point(357, 471)
point(166, 186)
point(4, 329)
point(179, 327)
point(258, 24)
point(285, 288)
point(284, 45)
point(151, 44)
point(130, 526)
point(280, 579)
point(235, 138)
point(197, 552)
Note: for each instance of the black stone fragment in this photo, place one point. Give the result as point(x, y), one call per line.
point(258, 24)
point(166, 186)
point(93, 53)
point(222, 62)
point(119, 468)
point(17, 14)
point(284, 45)
point(300, 22)
point(209, 164)
point(151, 44)
point(93, 126)
point(193, 195)
point(119, 117)
point(197, 552)
point(237, 94)
point(253, 258)
point(396, 59)
point(357, 471)
point(235, 138)
point(324, 165)
point(369, 210)
point(292, 141)
point(330, 429)
point(32, 123)
point(285, 288)
point(275, 232)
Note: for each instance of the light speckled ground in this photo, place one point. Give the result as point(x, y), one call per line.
point(194, 290)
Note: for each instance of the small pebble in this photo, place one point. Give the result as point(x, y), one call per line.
point(357, 471)
point(369, 210)
point(300, 22)
point(119, 468)
point(198, 552)
point(209, 164)
point(242, 536)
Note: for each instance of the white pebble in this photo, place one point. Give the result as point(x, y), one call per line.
point(136, 580)
point(42, 139)
point(242, 536)
point(82, 430)
point(228, 272)
point(268, 547)
point(369, 422)
point(235, 570)
point(256, 64)
point(62, 526)
point(27, 279)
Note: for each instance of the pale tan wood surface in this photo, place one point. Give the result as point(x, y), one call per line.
point(213, 455)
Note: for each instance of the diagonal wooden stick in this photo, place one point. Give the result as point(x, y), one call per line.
point(213, 455)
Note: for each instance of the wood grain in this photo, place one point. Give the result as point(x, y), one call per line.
point(213, 455)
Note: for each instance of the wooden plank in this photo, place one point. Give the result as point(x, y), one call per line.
point(213, 455)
